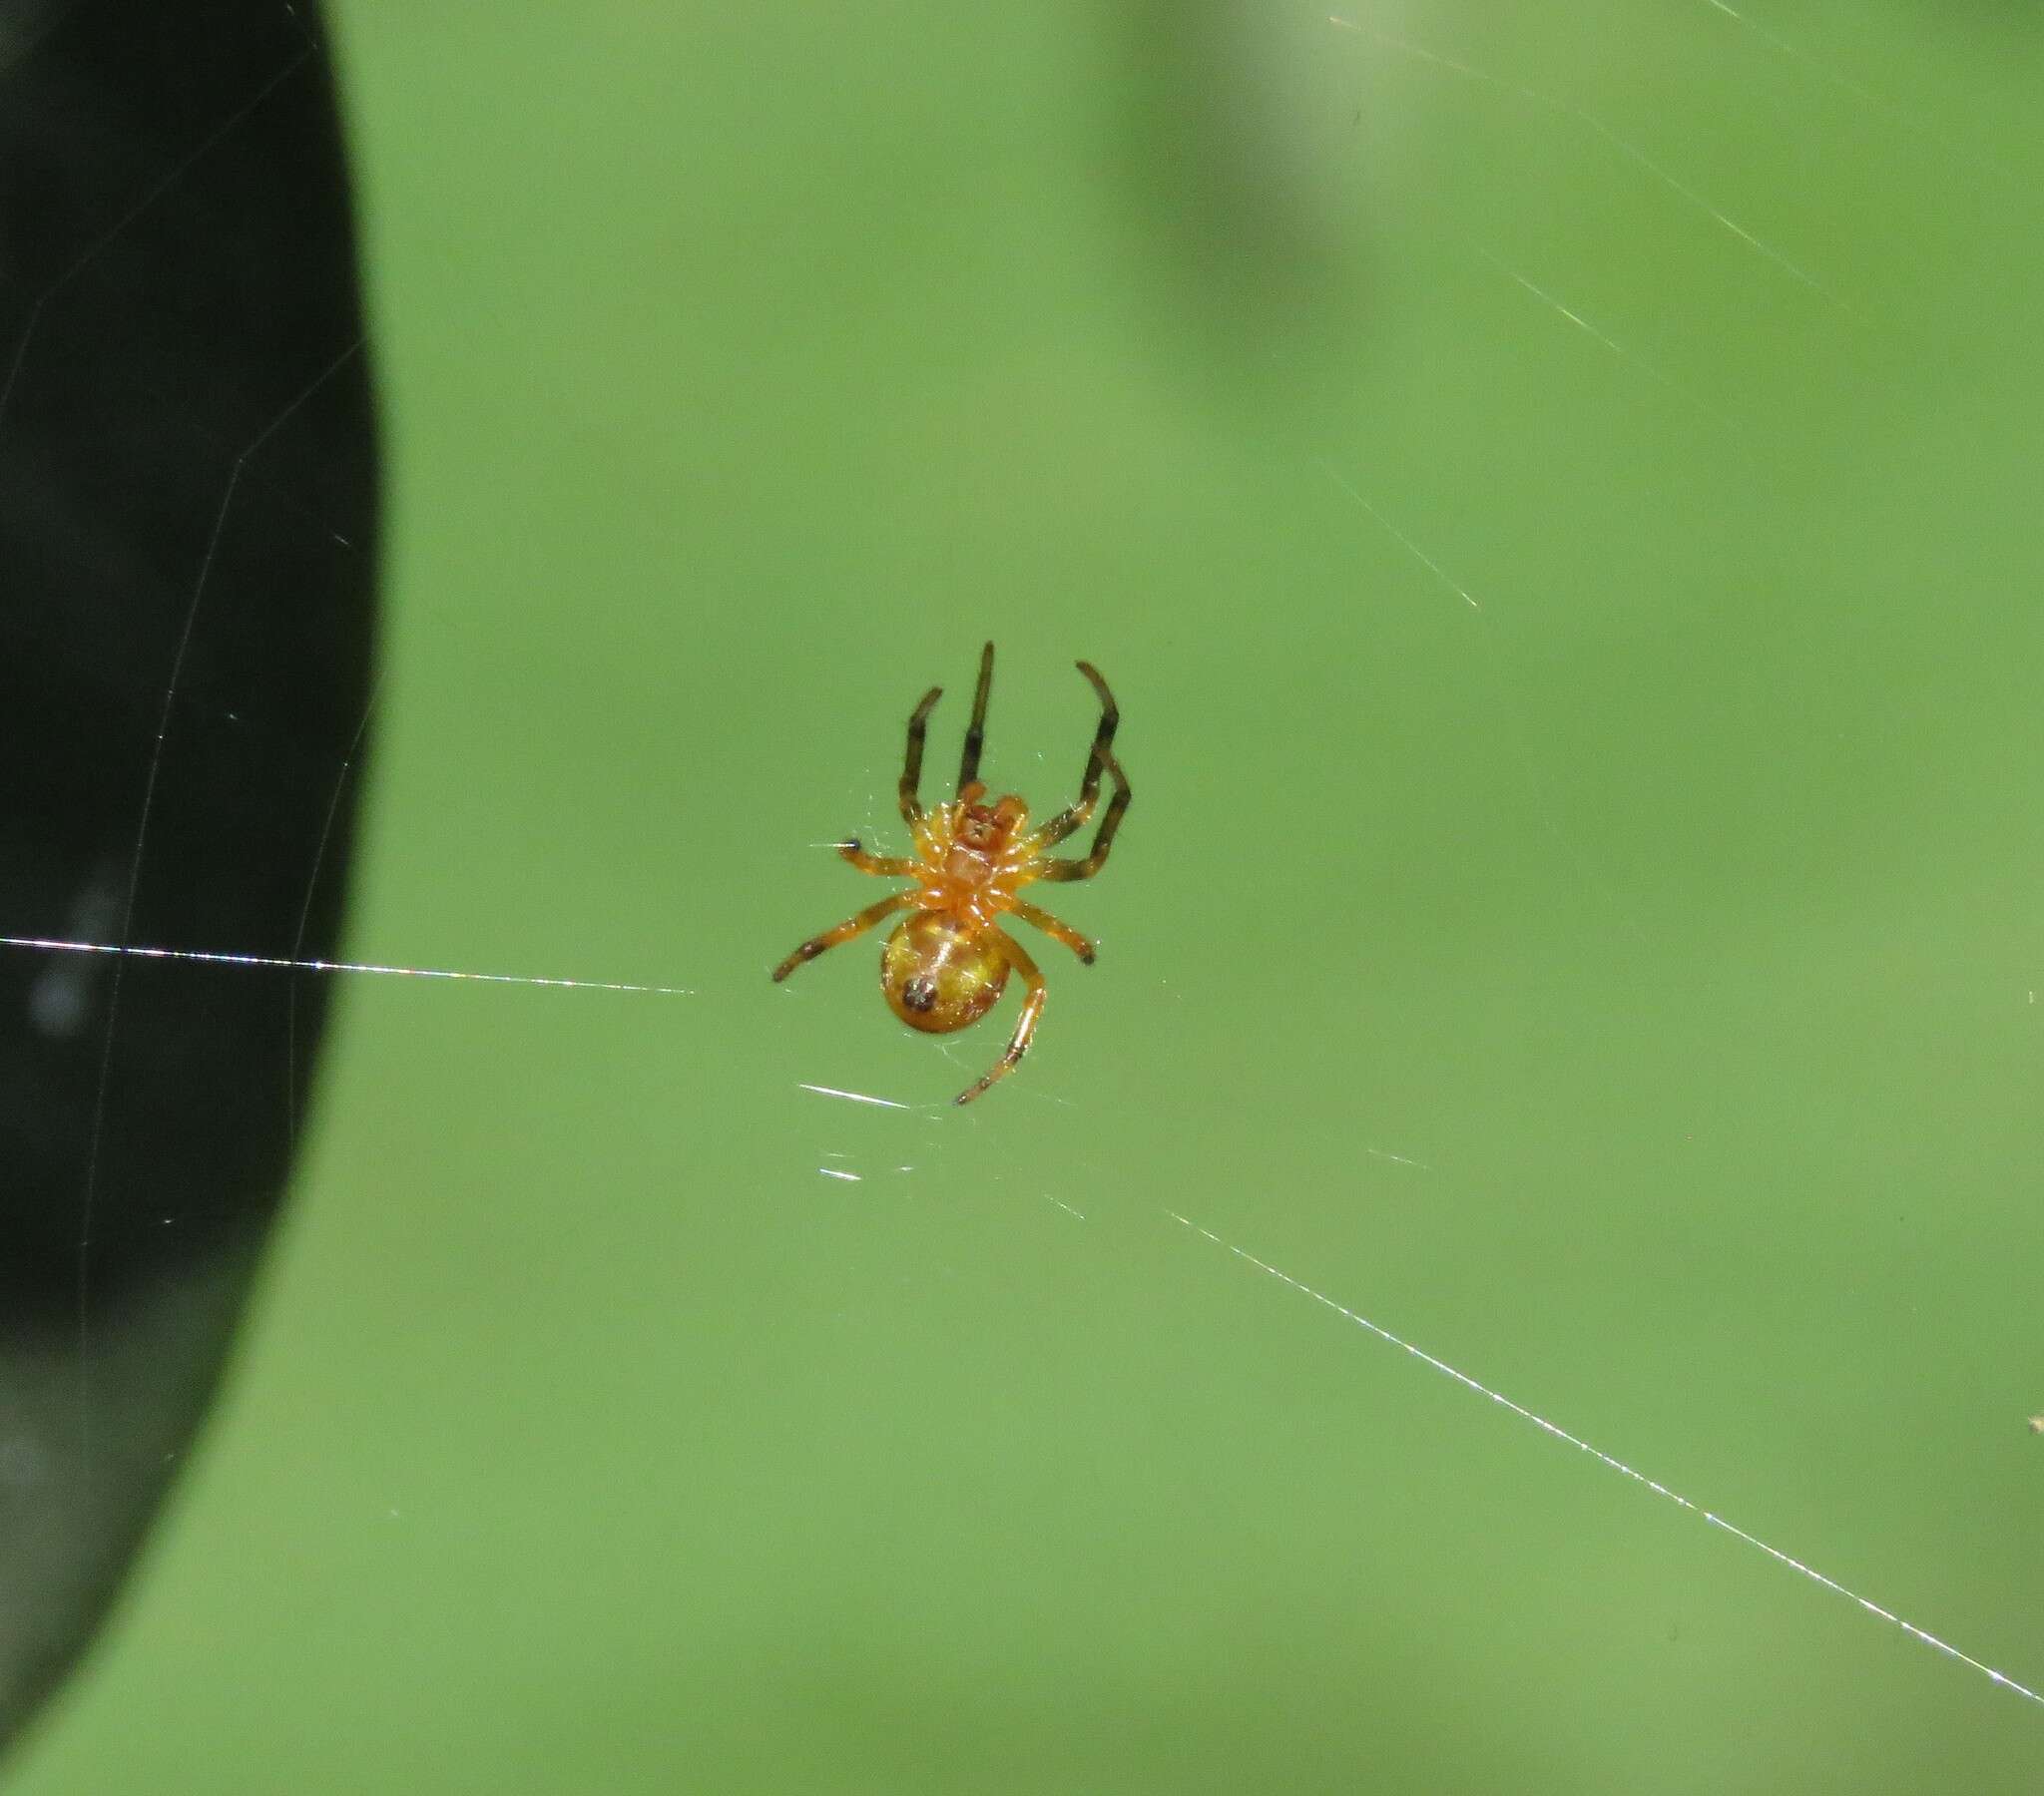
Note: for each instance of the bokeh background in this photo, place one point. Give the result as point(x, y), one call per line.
point(1555, 492)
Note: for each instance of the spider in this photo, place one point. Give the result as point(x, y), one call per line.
point(948, 960)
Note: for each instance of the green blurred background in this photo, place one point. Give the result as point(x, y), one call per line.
point(1556, 493)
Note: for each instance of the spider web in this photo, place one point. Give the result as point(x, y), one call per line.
point(1485, 636)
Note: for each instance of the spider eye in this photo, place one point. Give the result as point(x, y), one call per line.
point(919, 995)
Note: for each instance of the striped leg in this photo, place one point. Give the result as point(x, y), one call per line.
point(1095, 856)
point(911, 769)
point(1074, 816)
point(975, 731)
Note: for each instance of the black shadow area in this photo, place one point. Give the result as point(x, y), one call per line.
point(187, 524)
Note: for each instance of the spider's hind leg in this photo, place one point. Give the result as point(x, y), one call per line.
point(1014, 954)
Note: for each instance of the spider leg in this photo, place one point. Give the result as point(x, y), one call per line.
point(1012, 952)
point(1095, 857)
point(975, 731)
point(1073, 817)
point(1056, 928)
point(852, 926)
point(887, 866)
point(911, 766)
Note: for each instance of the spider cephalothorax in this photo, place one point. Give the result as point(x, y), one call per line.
point(947, 962)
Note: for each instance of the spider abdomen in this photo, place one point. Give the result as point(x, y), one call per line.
point(939, 972)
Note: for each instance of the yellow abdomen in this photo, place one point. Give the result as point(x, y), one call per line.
point(939, 974)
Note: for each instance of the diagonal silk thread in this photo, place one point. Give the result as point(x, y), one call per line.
point(1616, 1465)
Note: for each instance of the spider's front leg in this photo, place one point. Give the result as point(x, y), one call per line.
point(975, 731)
point(1013, 953)
point(1096, 857)
point(912, 765)
point(1073, 817)
point(852, 926)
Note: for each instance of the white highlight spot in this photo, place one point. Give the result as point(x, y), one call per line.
point(851, 1097)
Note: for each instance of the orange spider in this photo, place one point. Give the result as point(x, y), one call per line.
point(945, 965)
